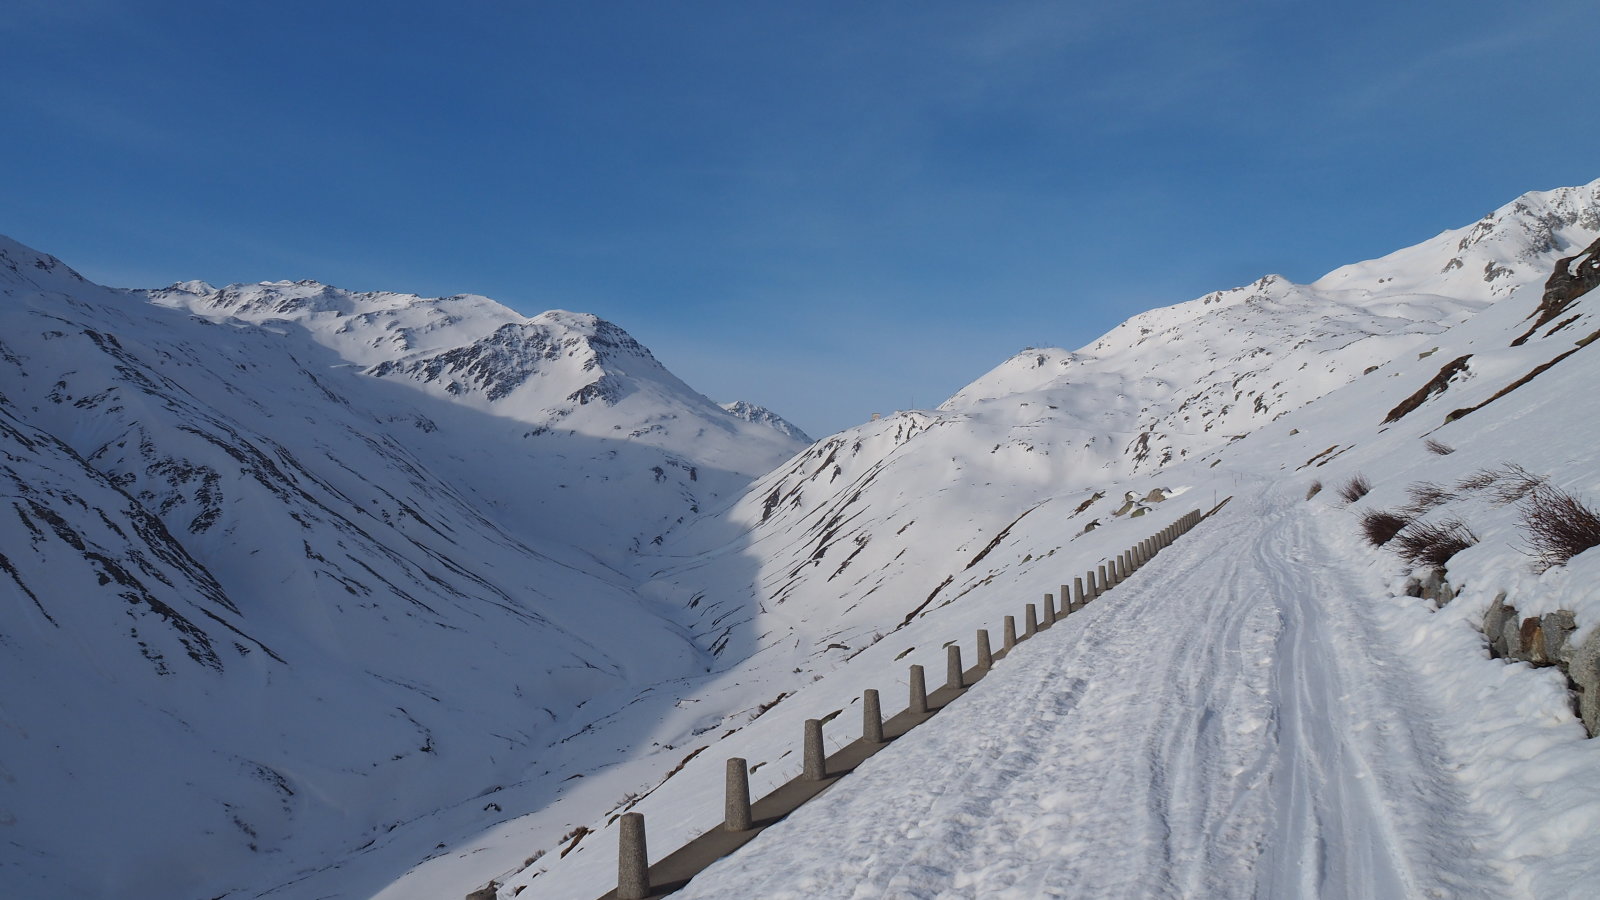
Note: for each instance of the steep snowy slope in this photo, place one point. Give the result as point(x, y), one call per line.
point(913, 501)
point(1267, 711)
point(280, 604)
point(881, 544)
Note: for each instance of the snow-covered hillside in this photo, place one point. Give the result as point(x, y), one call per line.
point(912, 501)
point(879, 545)
point(278, 604)
point(1262, 711)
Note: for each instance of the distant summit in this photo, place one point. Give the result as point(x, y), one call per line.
point(760, 415)
point(567, 372)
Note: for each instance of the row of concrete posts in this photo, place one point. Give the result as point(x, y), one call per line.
point(633, 873)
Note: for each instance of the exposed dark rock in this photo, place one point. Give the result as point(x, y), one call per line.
point(1535, 373)
point(1573, 277)
point(1435, 386)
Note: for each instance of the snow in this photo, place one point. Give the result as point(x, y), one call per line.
point(1358, 789)
point(1265, 746)
point(618, 595)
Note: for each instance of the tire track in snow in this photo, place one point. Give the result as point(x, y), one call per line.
point(1224, 724)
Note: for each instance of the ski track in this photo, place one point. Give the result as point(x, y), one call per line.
point(1224, 724)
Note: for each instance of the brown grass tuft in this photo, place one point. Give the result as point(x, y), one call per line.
point(1381, 525)
point(1357, 487)
point(1433, 543)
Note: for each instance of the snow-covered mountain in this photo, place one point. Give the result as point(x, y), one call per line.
point(419, 634)
point(878, 545)
point(1049, 432)
point(556, 372)
point(754, 412)
point(280, 599)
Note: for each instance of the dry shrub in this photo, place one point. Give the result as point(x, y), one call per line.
point(1433, 543)
point(1477, 481)
point(1559, 526)
point(1513, 483)
point(1357, 487)
point(1314, 489)
point(1506, 485)
point(1425, 496)
point(1380, 525)
point(1435, 446)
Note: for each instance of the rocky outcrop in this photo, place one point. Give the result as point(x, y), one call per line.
point(1547, 641)
point(1437, 385)
point(1573, 277)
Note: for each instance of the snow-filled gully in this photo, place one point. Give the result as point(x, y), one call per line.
point(1226, 725)
point(638, 880)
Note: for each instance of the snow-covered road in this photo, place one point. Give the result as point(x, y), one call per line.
point(1224, 724)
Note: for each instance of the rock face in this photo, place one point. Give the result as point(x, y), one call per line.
point(1583, 667)
point(1547, 641)
point(1573, 277)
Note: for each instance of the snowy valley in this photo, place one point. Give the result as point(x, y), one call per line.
point(313, 593)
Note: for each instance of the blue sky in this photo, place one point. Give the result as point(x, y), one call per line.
point(833, 209)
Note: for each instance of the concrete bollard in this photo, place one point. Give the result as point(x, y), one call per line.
point(1066, 603)
point(736, 807)
point(1011, 632)
point(1050, 609)
point(1030, 621)
point(985, 655)
point(633, 868)
point(919, 691)
point(871, 717)
point(1101, 585)
point(815, 766)
point(1077, 594)
point(952, 667)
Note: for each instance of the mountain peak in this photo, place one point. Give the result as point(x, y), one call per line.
point(760, 415)
point(21, 265)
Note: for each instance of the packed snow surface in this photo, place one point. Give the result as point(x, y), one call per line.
point(1221, 725)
